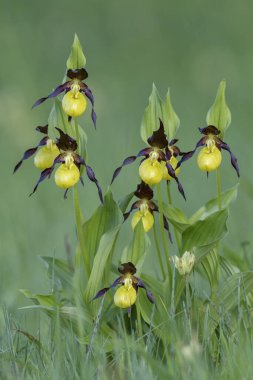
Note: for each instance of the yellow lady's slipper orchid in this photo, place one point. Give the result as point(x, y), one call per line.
point(45, 157)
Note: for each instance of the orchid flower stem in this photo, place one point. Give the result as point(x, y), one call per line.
point(218, 186)
point(139, 320)
point(158, 252)
point(177, 235)
point(79, 218)
point(160, 207)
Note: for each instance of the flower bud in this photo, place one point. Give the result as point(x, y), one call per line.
point(173, 162)
point(125, 296)
point(146, 218)
point(44, 158)
point(209, 159)
point(74, 103)
point(185, 263)
point(67, 176)
point(151, 171)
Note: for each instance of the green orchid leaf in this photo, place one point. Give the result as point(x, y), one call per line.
point(105, 218)
point(159, 109)
point(76, 59)
point(100, 267)
point(170, 118)
point(176, 217)
point(219, 114)
point(211, 206)
point(205, 232)
point(137, 250)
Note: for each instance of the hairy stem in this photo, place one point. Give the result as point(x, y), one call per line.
point(160, 207)
point(176, 233)
point(158, 251)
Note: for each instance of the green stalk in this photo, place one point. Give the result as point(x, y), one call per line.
point(158, 251)
point(160, 207)
point(78, 217)
point(178, 240)
point(218, 187)
point(138, 310)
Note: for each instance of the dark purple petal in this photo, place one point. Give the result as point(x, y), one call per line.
point(134, 206)
point(79, 74)
point(126, 268)
point(189, 154)
point(143, 191)
point(101, 292)
point(44, 174)
point(91, 176)
point(158, 138)
point(166, 226)
point(141, 284)
point(28, 153)
point(66, 193)
point(173, 175)
point(42, 129)
point(90, 96)
point(53, 94)
point(65, 142)
point(130, 160)
point(173, 142)
point(210, 129)
point(234, 163)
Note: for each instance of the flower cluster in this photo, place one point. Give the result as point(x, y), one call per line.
point(61, 151)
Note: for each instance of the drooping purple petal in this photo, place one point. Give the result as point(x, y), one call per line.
point(101, 292)
point(44, 174)
point(140, 284)
point(92, 177)
point(65, 193)
point(30, 152)
point(59, 89)
point(129, 160)
point(173, 175)
point(166, 226)
point(90, 96)
point(173, 142)
point(189, 154)
point(234, 163)
point(134, 206)
point(42, 129)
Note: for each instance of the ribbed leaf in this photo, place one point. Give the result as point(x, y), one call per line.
point(58, 270)
point(101, 259)
point(211, 206)
point(176, 217)
point(57, 118)
point(77, 59)
point(105, 218)
point(170, 118)
point(219, 114)
point(136, 251)
point(205, 232)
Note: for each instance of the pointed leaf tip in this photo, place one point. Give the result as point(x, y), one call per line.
point(76, 59)
point(219, 114)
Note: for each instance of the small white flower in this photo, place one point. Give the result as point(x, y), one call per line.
point(185, 263)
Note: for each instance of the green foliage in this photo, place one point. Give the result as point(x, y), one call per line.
point(159, 109)
point(76, 59)
point(219, 114)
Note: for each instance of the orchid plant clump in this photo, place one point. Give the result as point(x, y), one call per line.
point(173, 258)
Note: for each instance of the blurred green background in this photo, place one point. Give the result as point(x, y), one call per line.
point(188, 46)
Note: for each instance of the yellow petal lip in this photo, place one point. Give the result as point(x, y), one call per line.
point(146, 218)
point(125, 297)
point(66, 177)
point(74, 105)
point(209, 160)
point(151, 171)
point(45, 157)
